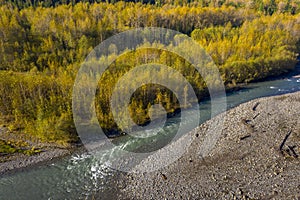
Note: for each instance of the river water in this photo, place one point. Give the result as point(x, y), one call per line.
point(81, 176)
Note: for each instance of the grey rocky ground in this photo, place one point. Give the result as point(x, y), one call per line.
point(17, 161)
point(256, 157)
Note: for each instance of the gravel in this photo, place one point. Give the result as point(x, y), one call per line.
point(19, 161)
point(249, 161)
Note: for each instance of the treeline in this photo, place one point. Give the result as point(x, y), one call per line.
point(268, 7)
point(41, 49)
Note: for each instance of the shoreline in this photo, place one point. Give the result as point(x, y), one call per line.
point(19, 161)
point(210, 169)
point(251, 160)
point(231, 89)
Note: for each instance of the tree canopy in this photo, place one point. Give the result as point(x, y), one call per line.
point(43, 43)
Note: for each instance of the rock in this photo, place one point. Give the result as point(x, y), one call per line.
point(239, 166)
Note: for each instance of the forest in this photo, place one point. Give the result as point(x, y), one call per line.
point(43, 43)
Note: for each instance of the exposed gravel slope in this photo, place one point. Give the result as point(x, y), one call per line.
point(250, 160)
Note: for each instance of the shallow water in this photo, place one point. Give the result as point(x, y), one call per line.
point(83, 176)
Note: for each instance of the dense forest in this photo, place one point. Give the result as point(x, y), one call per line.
point(43, 43)
point(265, 6)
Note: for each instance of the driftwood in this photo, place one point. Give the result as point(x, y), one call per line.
point(163, 176)
point(291, 148)
point(247, 124)
point(255, 116)
point(285, 139)
point(255, 106)
point(244, 137)
point(246, 121)
point(297, 76)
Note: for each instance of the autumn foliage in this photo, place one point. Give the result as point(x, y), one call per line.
point(43, 43)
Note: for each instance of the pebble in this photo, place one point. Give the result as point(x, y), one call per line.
point(233, 170)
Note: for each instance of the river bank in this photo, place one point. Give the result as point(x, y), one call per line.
point(33, 152)
point(256, 157)
point(56, 178)
point(50, 152)
point(20, 161)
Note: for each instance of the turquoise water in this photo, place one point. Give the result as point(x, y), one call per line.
point(82, 176)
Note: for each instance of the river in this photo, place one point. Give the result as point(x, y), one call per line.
point(81, 176)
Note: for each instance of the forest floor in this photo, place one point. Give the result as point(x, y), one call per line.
point(256, 157)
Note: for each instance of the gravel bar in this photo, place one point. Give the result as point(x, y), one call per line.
point(255, 157)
